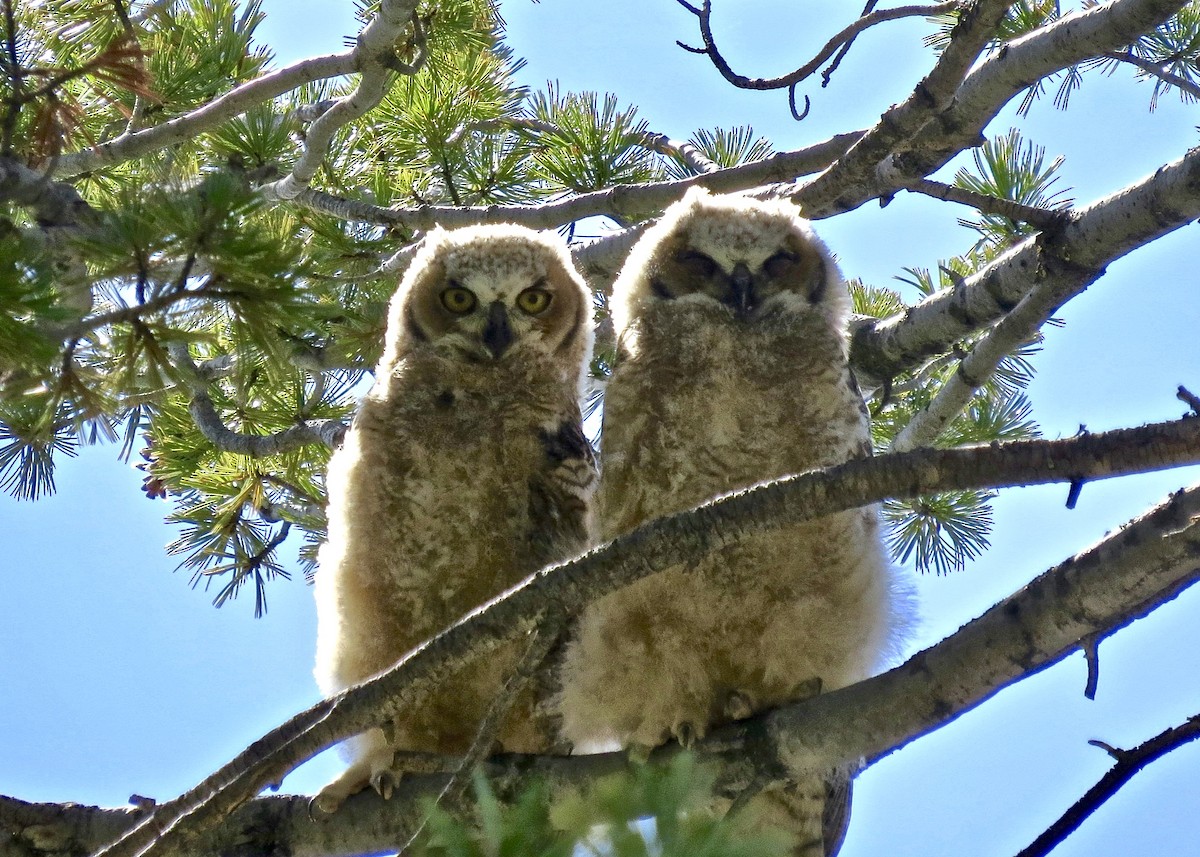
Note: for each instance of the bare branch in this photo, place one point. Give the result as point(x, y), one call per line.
point(1025, 319)
point(847, 35)
point(1128, 763)
point(1043, 218)
point(678, 540)
point(1120, 579)
point(933, 94)
point(1185, 395)
point(1157, 72)
point(1060, 44)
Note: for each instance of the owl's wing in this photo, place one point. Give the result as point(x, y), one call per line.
point(839, 792)
point(560, 493)
point(560, 512)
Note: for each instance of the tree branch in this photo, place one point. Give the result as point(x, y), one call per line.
point(1043, 218)
point(622, 202)
point(1064, 261)
point(54, 203)
point(1155, 71)
point(204, 414)
point(1129, 762)
point(678, 540)
point(1120, 579)
point(976, 26)
point(238, 100)
point(1008, 71)
point(847, 35)
point(1025, 319)
point(375, 60)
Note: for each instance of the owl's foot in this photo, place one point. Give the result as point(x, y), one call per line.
point(351, 781)
point(374, 770)
point(739, 705)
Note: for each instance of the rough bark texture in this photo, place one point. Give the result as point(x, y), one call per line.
point(676, 540)
point(1093, 594)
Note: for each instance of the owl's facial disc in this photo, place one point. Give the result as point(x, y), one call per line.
point(743, 278)
point(488, 320)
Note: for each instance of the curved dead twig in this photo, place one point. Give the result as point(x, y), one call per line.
point(841, 40)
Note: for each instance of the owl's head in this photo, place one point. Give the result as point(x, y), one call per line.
point(750, 257)
point(491, 295)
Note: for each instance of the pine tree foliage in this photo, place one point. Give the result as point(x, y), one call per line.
point(612, 817)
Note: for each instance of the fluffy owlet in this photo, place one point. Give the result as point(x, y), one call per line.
point(731, 370)
point(465, 470)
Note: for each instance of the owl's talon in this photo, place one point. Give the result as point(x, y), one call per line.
point(384, 782)
point(686, 734)
point(739, 705)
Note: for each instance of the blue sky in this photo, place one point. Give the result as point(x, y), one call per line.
point(116, 677)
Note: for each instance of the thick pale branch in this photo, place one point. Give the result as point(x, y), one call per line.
point(679, 540)
point(54, 203)
point(1026, 318)
point(1142, 566)
point(375, 60)
point(1062, 262)
point(1095, 593)
point(1007, 72)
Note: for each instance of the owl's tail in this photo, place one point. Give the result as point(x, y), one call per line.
point(813, 812)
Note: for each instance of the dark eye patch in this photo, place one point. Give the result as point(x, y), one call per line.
point(780, 264)
point(696, 264)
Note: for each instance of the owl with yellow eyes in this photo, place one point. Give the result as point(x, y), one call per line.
point(731, 370)
point(465, 470)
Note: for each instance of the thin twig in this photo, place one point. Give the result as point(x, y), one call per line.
point(542, 640)
point(845, 49)
point(1155, 71)
point(1043, 218)
point(1186, 396)
point(843, 38)
point(1128, 763)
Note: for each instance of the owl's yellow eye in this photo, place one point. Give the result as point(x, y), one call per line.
point(458, 300)
point(534, 300)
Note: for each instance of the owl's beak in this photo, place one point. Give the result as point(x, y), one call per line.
point(497, 332)
point(741, 283)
